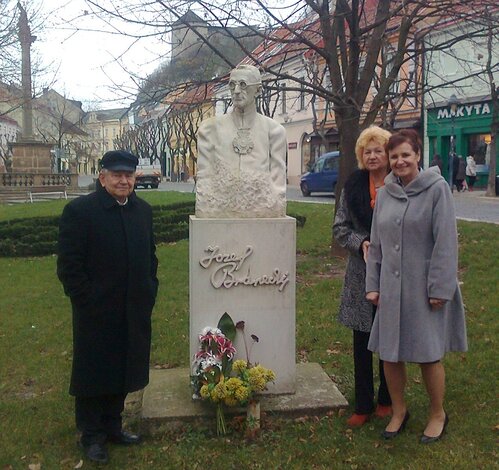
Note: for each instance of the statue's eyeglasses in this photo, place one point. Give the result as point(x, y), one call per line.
point(242, 85)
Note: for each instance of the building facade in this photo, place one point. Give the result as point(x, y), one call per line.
point(102, 127)
point(456, 73)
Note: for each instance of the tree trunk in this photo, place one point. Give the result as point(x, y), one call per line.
point(491, 183)
point(348, 129)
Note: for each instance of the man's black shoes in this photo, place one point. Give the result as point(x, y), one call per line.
point(96, 453)
point(124, 438)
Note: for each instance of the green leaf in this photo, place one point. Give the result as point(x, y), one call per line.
point(226, 325)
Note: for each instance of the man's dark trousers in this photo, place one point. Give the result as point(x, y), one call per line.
point(99, 417)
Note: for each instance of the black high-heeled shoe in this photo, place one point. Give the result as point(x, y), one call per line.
point(391, 434)
point(428, 440)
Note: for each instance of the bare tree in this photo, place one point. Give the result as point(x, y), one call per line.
point(57, 120)
point(348, 37)
point(491, 70)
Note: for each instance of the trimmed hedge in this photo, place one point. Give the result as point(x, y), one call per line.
point(37, 236)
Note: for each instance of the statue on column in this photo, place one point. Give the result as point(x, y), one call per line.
point(26, 39)
point(241, 167)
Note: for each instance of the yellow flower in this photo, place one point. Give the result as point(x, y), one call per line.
point(242, 394)
point(230, 401)
point(219, 391)
point(233, 383)
point(239, 365)
point(259, 376)
point(204, 392)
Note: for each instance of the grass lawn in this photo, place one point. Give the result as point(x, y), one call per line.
point(36, 412)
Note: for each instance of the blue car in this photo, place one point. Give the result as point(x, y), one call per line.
point(323, 175)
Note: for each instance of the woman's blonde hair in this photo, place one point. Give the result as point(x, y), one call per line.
point(372, 133)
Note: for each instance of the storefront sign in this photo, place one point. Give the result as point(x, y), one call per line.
point(465, 110)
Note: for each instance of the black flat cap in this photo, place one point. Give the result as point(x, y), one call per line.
point(119, 160)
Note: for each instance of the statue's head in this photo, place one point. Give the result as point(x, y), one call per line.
point(245, 84)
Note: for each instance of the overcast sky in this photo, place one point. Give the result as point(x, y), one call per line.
point(89, 61)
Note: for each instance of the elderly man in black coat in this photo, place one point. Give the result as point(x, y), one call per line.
point(107, 265)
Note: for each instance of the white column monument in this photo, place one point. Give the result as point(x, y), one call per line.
point(242, 244)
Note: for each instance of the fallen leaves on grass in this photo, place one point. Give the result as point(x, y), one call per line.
point(303, 355)
point(332, 351)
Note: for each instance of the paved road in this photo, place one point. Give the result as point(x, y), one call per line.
point(476, 206)
point(469, 205)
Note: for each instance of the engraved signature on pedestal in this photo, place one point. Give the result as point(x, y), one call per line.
point(228, 270)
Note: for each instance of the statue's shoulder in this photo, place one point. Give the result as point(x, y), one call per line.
point(272, 125)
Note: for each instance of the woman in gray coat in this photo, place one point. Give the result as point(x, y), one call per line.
point(351, 228)
point(412, 278)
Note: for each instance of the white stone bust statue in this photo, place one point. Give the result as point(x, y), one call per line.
point(241, 167)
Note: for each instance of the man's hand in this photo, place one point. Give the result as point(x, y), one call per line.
point(373, 297)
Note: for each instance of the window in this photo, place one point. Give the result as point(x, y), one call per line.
point(302, 97)
point(283, 98)
point(478, 146)
point(331, 164)
point(388, 56)
point(411, 82)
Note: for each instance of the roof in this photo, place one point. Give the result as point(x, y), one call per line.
point(108, 114)
point(70, 128)
point(282, 45)
point(192, 95)
point(189, 17)
point(8, 120)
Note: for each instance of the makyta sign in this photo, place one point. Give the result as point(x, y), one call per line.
point(464, 111)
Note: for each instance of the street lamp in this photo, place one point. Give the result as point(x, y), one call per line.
point(453, 103)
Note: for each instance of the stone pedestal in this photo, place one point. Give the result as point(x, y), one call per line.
point(167, 404)
point(31, 157)
point(247, 268)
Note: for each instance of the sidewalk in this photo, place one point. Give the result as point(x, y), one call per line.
point(475, 206)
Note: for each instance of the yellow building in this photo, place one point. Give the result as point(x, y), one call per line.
point(102, 127)
point(186, 111)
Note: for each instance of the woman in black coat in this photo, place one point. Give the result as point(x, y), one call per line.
point(351, 228)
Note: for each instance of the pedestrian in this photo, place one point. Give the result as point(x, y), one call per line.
point(471, 171)
point(107, 266)
point(412, 278)
point(437, 161)
point(351, 228)
point(455, 169)
point(461, 173)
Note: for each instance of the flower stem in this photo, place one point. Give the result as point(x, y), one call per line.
point(221, 427)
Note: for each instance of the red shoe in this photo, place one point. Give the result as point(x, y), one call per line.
point(357, 420)
point(382, 411)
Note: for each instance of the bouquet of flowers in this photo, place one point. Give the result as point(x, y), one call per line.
point(220, 380)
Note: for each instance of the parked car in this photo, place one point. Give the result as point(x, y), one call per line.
point(148, 176)
point(323, 175)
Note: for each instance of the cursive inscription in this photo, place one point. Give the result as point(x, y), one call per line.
point(227, 270)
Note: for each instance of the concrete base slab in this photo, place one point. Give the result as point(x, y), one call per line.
point(167, 401)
